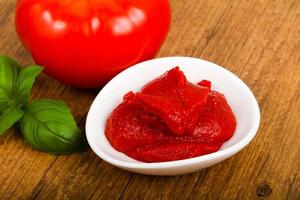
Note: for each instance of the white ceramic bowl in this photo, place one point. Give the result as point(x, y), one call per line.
point(238, 95)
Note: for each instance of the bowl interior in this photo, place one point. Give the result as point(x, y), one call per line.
point(237, 94)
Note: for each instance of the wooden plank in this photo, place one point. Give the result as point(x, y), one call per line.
point(258, 40)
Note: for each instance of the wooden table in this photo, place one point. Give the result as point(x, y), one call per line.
point(259, 40)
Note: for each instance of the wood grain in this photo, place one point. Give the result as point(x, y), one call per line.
point(258, 40)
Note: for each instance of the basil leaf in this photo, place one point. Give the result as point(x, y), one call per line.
point(9, 72)
point(15, 87)
point(15, 82)
point(26, 80)
point(10, 110)
point(49, 126)
point(9, 118)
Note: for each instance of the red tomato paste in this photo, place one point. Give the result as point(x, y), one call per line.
point(171, 119)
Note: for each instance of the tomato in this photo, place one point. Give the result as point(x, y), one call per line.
point(86, 42)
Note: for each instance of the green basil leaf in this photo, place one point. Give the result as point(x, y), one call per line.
point(9, 118)
point(15, 87)
point(15, 82)
point(10, 110)
point(26, 80)
point(49, 126)
point(9, 72)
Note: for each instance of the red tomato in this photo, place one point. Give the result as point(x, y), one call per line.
point(86, 42)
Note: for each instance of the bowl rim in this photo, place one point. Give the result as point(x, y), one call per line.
point(224, 153)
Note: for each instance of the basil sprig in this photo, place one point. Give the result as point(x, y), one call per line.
point(47, 125)
point(10, 102)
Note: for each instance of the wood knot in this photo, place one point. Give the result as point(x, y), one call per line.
point(263, 190)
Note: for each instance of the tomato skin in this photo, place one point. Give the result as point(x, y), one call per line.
point(85, 43)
